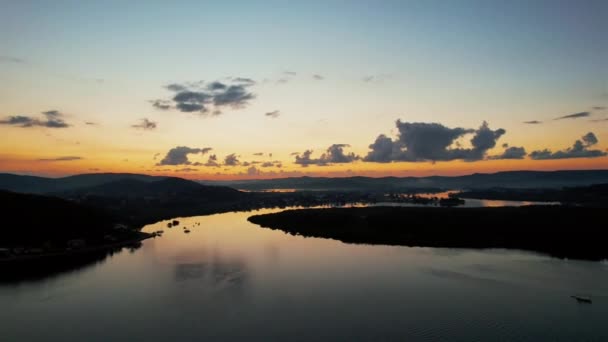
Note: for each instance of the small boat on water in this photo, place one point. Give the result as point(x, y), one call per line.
point(582, 299)
point(187, 231)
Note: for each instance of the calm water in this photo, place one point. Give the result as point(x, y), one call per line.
point(231, 280)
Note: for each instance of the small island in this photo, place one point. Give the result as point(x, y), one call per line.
point(560, 231)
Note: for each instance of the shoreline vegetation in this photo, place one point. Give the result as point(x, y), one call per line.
point(35, 267)
point(43, 227)
point(559, 231)
point(76, 252)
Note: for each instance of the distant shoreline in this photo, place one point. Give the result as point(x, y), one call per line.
point(76, 252)
point(559, 231)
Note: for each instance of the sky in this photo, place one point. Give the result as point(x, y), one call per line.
point(267, 89)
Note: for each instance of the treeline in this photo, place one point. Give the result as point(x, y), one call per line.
point(566, 232)
point(34, 219)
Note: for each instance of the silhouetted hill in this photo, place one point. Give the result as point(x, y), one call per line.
point(92, 179)
point(140, 202)
point(160, 189)
point(135, 199)
point(30, 219)
point(508, 179)
point(41, 185)
point(27, 184)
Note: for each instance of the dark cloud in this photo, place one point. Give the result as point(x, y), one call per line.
point(368, 78)
point(201, 96)
point(589, 139)
point(599, 120)
point(191, 101)
point(383, 150)
point(418, 141)
point(533, 122)
point(64, 158)
point(273, 114)
point(212, 161)
point(191, 107)
point(156, 156)
point(483, 140)
point(23, 121)
point(304, 159)
point(235, 96)
point(599, 108)
point(275, 163)
point(580, 149)
point(53, 119)
point(213, 86)
point(243, 81)
point(511, 153)
point(179, 155)
point(52, 114)
point(253, 171)
point(318, 77)
point(55, 124)
point(186, 169)
point(259, 154)
point(145, 124)
point(333, 155)
point(11, 59)
point(379, 78)
point(177, 87)
point(90, 123)
point(574, 116)
point(287, 76)
point(161, 104)
point(231, 160)
point(187, 96)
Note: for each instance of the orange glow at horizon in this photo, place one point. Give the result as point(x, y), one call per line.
point(35, 166)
